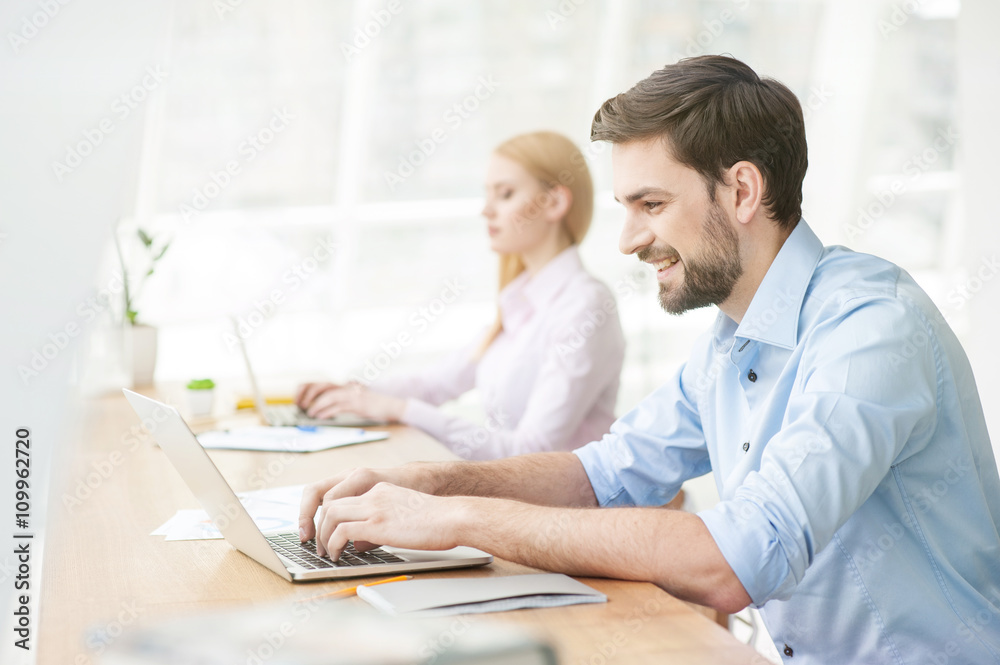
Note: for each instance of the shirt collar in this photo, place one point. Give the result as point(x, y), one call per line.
point(773, 314)
point(530, 293)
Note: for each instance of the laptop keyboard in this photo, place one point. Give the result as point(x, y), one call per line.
point(283, 415)
point(304, 554)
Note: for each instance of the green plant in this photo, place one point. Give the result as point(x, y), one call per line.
point(200, 384)
point(153, 251)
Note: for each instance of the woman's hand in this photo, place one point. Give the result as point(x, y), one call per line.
point(324, 400)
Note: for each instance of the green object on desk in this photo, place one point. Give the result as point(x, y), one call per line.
point(200, 384)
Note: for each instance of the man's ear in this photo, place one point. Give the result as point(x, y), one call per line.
point(747, 186)
point(559, 200)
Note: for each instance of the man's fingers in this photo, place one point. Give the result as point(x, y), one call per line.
point(339, 539)
point(317, 497)
point(357, 482)
point(312, 498)
point(335, 514)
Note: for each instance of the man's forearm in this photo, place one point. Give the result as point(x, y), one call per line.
point(549, 479)
point(669, 548)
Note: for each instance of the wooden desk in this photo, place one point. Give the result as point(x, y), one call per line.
point(102, 569)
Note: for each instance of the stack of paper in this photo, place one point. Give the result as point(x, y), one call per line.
point(275, 509)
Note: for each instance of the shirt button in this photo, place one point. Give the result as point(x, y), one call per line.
point(788, 651)
point(746, 446)
point(752, 376)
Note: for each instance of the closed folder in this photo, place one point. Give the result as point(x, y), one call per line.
point(471, 595)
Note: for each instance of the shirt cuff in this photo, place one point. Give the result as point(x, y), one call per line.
point(750, 545)
point(426, 417)
point(608, 490)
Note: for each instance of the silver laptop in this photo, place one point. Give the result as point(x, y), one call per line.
point(290, 415)
point(280, 552)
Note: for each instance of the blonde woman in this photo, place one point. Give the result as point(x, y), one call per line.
point(548, 368)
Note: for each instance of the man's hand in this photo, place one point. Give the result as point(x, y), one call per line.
point(389, 514)
point(353, 483)
point(324, 400)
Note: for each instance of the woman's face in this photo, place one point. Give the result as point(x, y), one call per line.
point(518, 208)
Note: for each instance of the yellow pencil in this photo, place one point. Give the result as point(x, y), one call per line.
point(351, 591)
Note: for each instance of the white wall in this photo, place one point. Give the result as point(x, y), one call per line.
point(59, 74)
point(979, 97)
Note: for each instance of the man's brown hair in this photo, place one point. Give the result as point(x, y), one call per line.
point(713, 111)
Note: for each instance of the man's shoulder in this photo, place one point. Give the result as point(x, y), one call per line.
point(843, 275)
point(848, 285)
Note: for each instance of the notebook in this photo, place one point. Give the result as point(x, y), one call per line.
point(474, 595)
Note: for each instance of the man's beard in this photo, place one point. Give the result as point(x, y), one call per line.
point(709, 278)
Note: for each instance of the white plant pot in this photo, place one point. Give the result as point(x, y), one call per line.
point(143, 339)
point(200, 402)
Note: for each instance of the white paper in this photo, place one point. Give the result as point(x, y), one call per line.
point(274, 510)
point(287, 439)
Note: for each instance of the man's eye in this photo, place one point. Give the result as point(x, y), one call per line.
point(506, 194)
point(652, 205)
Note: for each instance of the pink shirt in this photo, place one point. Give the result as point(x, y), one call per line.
point(549, 380)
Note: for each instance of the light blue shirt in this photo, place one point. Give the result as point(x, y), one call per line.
point(860, 500)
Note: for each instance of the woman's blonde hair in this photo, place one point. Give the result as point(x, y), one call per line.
point(553, 160)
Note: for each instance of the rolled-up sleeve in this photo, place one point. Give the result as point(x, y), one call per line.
point(867, 387)
point(651, 450)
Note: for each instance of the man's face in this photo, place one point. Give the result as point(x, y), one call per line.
point(673, 224)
